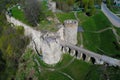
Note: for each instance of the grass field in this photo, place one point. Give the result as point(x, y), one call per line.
point(103, 42)
point(31, 66)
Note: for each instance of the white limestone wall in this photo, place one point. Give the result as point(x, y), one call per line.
point(51, 51)
point(70, 31)
point(35, 35)
point(50, 47)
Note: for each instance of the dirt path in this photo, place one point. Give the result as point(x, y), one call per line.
point(65, 74)
point(117, 37)
point(81, 35)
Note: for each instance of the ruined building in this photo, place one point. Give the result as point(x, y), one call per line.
point(48, 44)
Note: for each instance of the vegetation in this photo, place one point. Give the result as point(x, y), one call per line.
point(33, 12)
point(20, 16)
point(18, 64)
point(99, 42)
point(43, 71)
point(64, 16)
point(12, 45)
point(111, 5)
point(46, 25)
point(108, 3)
point(31, 66)
point(65, 5)
point(4, 4)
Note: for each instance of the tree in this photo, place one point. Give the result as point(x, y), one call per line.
point(70, 2)
point(108, 3)
point(33, 12)
point(91, 7)
point(4, 4)
point(12, 45)
point(99, 2)
point(65, 5)
point(91, 4)
point(85, 5)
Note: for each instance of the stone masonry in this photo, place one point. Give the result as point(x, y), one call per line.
point(70, 31)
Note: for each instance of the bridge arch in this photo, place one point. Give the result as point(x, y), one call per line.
point(76, 53)
point(92, 60)
point(62, 49)
point(69, 51)
point(83, 56)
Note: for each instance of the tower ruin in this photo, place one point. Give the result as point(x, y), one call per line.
point(70, 31)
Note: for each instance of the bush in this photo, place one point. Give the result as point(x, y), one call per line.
point(12, 46)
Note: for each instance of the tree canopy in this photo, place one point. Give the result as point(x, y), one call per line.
point(33, 11)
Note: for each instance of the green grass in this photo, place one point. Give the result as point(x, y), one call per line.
point(91, 40)
point(19, 14)
point(44, 25)
point(107, 39)
point(48, 26)
point(82, 17)
point(78, 69)
point(64, 16)
point(118, 30)
point(99, 41)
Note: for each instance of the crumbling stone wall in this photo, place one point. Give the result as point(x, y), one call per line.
point(51, 49)
point(52, 5)
point(47, 43)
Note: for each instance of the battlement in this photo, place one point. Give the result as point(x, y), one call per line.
point(70, 31)
point(70, 23)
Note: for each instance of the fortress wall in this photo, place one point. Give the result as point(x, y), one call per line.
point(49, 45)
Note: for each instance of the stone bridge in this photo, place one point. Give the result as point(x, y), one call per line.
point(88, 56)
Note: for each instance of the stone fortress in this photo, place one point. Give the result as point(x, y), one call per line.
point(47, 44)
point(51, 45)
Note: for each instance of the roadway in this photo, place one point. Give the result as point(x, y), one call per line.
point(114, 19)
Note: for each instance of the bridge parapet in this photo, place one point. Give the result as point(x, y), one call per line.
point(89, 55)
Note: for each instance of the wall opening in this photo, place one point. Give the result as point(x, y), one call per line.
point(69, 51)
point(92, 59)
point(61, 48)
point(84, 57)
point(76, 53)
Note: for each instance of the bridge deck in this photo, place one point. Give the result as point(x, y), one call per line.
point(106, 59)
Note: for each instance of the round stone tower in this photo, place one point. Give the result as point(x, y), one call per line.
point(70, 31)
point(51, 51)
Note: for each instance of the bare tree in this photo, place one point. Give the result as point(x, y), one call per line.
point(33, 12)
